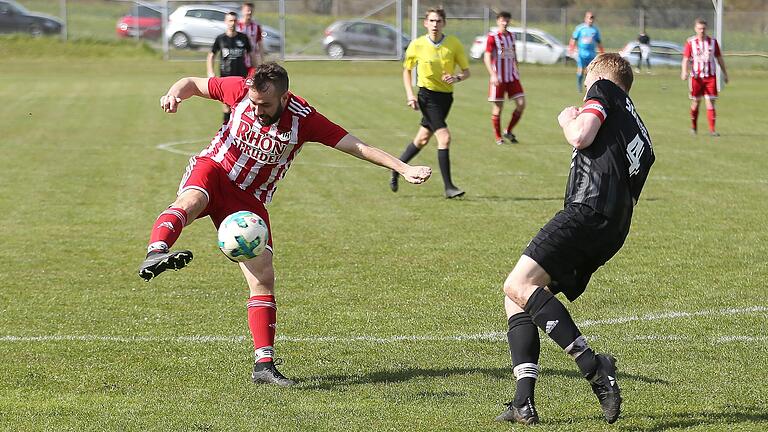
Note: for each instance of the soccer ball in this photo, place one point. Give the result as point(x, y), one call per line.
point(243, 235)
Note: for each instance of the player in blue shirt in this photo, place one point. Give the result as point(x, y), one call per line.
point(586, 37)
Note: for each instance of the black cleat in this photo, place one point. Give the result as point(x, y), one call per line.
point(525, 414)
point(606, 387)
point(393, 181)
point(453, 192)
point(511, 137)
point(267, 373)
point(162, 260)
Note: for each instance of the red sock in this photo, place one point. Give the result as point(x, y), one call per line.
point(496, 122)
point(711, 119)
point(694, 117)
point(167, 228)
point(513, 121)
point(262, 318)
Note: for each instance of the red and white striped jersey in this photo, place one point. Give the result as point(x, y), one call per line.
point(253, 31)
point(503, 55)
point(702, 54)
point(256, 157)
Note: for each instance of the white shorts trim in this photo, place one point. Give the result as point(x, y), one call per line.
point(198, 188)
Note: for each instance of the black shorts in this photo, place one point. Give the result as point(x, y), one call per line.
point(574, 244)
point(434, 108)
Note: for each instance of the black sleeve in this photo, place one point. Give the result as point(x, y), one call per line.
point(247, 40)
point(600, 92)
point(216, 45)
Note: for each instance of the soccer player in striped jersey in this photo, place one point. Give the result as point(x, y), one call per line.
point(249, 27)
point(612, 156)
point(239, 171)
point(501, 62)
point(700, 53)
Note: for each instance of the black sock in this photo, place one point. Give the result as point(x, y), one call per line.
point(409, 153)
point(551, 316)
point(444, 160)
point(226, 118)
point(524, 348)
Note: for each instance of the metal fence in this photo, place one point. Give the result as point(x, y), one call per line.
point(299, 27)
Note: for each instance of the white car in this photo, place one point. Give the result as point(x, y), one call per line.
point(540, 46)
point(192, 26)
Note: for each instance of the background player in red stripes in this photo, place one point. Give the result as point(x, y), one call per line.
point(700, 53)
point(240, 170)
point(251, 28)
point(501, 62)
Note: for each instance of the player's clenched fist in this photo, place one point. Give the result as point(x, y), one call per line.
point(417, 174)
point(170, 103)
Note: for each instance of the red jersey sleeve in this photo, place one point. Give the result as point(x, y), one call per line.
point(317, 128)
point(687, 49)
point(229, 90)
point(490, 44)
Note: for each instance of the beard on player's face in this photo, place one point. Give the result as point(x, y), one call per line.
point(267, 119)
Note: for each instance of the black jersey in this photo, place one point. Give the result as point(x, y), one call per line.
point(609, 175)
point(233, 52)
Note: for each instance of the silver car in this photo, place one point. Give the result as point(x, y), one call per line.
point(362, 38)
point(540, 46)
point(663, 53)
point(193, 26)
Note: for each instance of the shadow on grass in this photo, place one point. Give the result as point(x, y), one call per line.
point(725, 419)
point(330, 382)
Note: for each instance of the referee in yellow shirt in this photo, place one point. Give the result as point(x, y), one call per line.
point(437, 56)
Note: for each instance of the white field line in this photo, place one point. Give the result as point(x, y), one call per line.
point(489, 336)
point(171, 147)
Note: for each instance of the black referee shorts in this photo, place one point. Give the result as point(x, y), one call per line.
point(434, 108)
point(574, 244)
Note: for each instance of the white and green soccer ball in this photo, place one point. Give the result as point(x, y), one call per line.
point(243, 235)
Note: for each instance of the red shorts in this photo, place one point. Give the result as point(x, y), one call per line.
point(699, 87)
point(512, 89)
point(224, 198)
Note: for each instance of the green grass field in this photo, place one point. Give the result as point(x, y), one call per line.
point(390, 305)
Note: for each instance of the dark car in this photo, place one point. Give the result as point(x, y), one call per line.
point(14, 18)
point(362, 38)
point(144, 20)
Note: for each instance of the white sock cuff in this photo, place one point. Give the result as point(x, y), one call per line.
point(264, 352)
point(526, 370)
point(577, 347)
point(158, 245)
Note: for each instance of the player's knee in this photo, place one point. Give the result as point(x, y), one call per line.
point(515, 288)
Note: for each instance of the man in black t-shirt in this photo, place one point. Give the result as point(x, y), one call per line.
point(611, 159)
point(645, 51)
point(234, 48)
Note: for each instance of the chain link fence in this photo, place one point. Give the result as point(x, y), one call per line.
point(376, 29)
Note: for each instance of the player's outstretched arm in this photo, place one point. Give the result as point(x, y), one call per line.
point(354, 146)
point(182, 89)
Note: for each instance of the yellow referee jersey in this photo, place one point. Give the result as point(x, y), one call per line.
point(435, 60)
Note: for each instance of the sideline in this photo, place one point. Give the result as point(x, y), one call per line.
point(490, 336)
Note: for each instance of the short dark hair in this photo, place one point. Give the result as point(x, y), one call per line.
point(438, 10)
point(249, 4)
point(270, 73)
point(701, 21)
point(234, 14)
point(504, 14)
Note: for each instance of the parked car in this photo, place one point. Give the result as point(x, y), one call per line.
point(144, 20)
point(193, 26)
point(14, 18)
point(662, 53)
point(540, 46)
point(361, 38)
